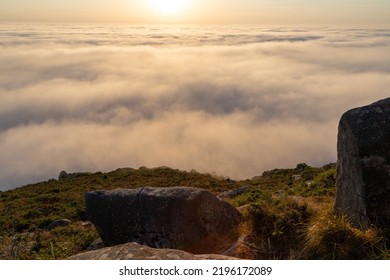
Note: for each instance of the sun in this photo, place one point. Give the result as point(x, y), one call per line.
point(168, 7)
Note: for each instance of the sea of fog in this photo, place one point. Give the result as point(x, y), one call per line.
point(231, 100)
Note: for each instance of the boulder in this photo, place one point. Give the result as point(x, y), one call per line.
point(63, 175)
point(58, 223)
point(233, 193)
point(134, 251)
point(363, 167)
point(95, 245)
point(182, 218)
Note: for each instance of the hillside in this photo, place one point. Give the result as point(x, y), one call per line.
point(288, 213)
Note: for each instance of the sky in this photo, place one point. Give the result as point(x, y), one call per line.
point(201, 11)
point(88, 86)
point(234, 100)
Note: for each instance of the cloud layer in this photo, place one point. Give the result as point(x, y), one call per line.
point(232, 100)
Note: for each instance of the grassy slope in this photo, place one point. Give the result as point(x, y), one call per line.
point(287, 213)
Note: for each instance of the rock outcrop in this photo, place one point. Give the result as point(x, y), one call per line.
point(66, 176)
point(134, 251)
point(363, 167)
point(184, 218)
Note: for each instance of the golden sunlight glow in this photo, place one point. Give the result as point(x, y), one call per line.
point(169, 7)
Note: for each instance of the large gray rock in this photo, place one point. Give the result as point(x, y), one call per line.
point(182, 218)
point(134, 251)
point(363, 167)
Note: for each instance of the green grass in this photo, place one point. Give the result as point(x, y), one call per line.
point(287, 213)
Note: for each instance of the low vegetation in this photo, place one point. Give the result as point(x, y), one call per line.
point(287, 213)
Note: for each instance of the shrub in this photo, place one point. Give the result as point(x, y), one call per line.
point(277, 228)
point(323, 184)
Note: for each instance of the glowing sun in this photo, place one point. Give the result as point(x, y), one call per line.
point(168, 6)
